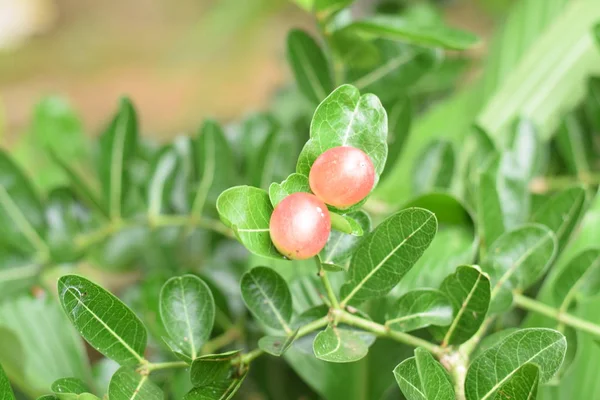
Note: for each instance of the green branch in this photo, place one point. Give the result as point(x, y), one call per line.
point(323, 275)
point(529, 304)
point(384, 331)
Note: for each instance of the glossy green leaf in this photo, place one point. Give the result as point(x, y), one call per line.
point(127, 384)
point(435, 168)
point(215, 378)
point(561, 213)
point(214, 166)
point(345, 118)
point(6, 392)
point(66, 218)
point(419, 309)
point(339, 345)
point(423, 378)
point(398, 28)
point(496, 366)
point(385, 255)
point(309, 66)
point(340, 246)
point(103, 320)
point(247, 210)
point(187, 311)
point(293, 184)
point(69, 385)
point(267, 295)
point(277, 345)
point(161, 182)
point(469, 292)
point(572, 145)
point(522, 385)
point(21, 214)
point(117, 149)
point(397, 68)
point(213, 368)
point(32, 364)
point(517, 260)
point(580, 277)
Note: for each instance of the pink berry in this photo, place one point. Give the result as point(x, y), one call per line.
point(342, 176)
point(300, 226)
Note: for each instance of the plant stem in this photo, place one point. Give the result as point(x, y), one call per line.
point(529, 304)
point(221, 341)
point(323, 275)
point(113, 227)
point(166, 365)
point(383, 331)
point(549, 183)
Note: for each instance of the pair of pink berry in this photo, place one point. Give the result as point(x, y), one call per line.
point(300, 224)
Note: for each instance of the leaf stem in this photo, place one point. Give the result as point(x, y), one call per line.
point(383, 331)
point(546, 184)
point(323, 275)
point(89, 239)
point(529, 304)
point(221, 341)
point(165, 365)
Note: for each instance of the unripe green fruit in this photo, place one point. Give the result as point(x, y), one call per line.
point(300, 226)
point(342, 176)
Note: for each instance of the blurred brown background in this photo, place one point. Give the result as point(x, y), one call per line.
point(179, 61)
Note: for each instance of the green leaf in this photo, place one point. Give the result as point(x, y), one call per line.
point(6, 392)
point(80, 182)
point(345, 224)
point(540, 73)
point(327, 7)
point(187, 311)
point(103, 320)
point(18, 271)
point(397, 28)
point(247, 211)
point(561, 213)
point(126, 384)
point(277, 345)
point(215, 378)
point(69, 385)
point(496, 366)
point(581, 276)
point(397, 68)
point(66, 218)
point(21, 213)
point(267, 295)
point(293, 184)
point(309, 66)
point(32, 364)
point(48, 397)
point(592, 103)
point(213, 368)
point(502, 198)
point(117, 149)
point(161, 182)
point(418, 309)
point(400, 115)
point(517, 260)
point(339, 345)
point(522, 385)
point(340, 246)
point(524, 148)
point(345, 118)
point(434, 168)
point(214, 166)
point(469, 292)
point(423, 378)
point(400, 240)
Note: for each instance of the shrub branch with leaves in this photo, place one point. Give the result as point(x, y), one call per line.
point(439, 284)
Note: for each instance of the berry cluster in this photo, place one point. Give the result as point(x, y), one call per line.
point(300, 224)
